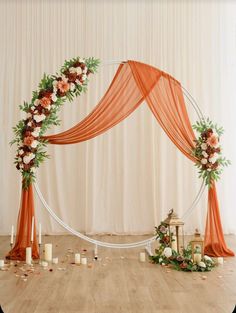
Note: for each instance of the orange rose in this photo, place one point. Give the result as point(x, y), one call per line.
point(213, 141)
point(63, 86)
point(45, 102)
point(28, 140)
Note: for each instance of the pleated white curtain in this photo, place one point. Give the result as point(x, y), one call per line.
point(118, 182)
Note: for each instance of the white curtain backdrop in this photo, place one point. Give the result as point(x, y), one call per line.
point(126, 180)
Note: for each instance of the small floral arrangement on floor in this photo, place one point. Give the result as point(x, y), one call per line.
point(166, 256)
point(208, 151)
point(41, 112)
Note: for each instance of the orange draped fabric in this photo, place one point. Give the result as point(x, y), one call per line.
point(133, 83)
point(24, 225)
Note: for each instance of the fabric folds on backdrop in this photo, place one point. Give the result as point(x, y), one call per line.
point(133, 83)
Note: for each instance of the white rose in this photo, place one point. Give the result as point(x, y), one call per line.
point(79, 70)
point(39, 118)
point(33, 107)
point(72, 70)
point(207, 258)
point(19, 159)
point(202, 264)
point(49, 107)
point(64, 78)
point(204, 154)
point(167, 252)
point(36, 102)
point(160, 260)
point(72, 86)
point(204, 146)
point(213, 159)
point(81, 60)
point(21, 151)
point(31, 156)
point(36, 132)
point(54, 83)
point(204, 161)
point(29, 123)
point(54, 97)
point(34, 144)
point(26, 159)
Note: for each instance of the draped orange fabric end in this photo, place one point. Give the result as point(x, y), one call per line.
point(133, 83)
point(23, 235)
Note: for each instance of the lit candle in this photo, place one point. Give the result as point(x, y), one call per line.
point(197, 257)
point(48, 252)
point(32, 229)
point(220, 260)
point(77, 258)
point(84, 261)
point(40, 234)
point(1, 263)
point(142, 256)
point(12, 234)
point(28, 255)
point(55, 260)
point(174, 243)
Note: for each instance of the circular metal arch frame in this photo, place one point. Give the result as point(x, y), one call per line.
point(148, 241)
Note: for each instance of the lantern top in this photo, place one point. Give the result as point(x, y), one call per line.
point(197, 236)
point(173, 219)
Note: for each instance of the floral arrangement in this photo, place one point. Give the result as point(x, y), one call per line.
point(166, 256)
point(208, 151)
point(41, 112)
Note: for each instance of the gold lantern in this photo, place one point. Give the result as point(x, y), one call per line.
point(176, 231)
point(197, 245)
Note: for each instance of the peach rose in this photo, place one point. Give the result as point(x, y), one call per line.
point(213, 141)
point(28, 140)
point(45, 102)
point(63, 86)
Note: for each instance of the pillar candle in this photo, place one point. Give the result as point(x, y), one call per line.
point(12, 234)
point(48, 252)
point(174, 243)
point(142, 256)
point(84, 261)
point(220, 260)
point(77, 258)
point(28, 255)
point(55, 260)
point(1, 263)
point(32, 229)
point(40, 234)
point(197, 257)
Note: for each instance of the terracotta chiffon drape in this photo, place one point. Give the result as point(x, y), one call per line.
point(133, 83)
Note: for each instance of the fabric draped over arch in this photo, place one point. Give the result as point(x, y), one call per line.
point(133, 83)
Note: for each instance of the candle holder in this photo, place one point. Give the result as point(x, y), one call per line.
point(11, 245)
point(40, 253)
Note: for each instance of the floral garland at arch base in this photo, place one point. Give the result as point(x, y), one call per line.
point(168, 257)
point(42, 111)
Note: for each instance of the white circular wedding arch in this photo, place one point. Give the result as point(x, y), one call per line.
point(146, 242)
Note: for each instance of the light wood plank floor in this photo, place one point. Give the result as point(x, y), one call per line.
point(118, 283)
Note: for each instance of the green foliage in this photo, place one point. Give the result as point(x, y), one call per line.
point(46, 85)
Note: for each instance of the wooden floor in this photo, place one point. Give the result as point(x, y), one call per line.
point(117, 282)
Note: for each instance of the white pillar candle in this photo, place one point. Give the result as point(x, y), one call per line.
point(55, 260)
point(197, 257)
point(44, 264)
point(48, 252)
point(84, 261)
point(174, 243)
point(142, 256)
point(1, 263)
point(12, 234)
point(28, 255)
point(220, 260)
point(77, 258)
point(40, 234)
point(32, 230)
